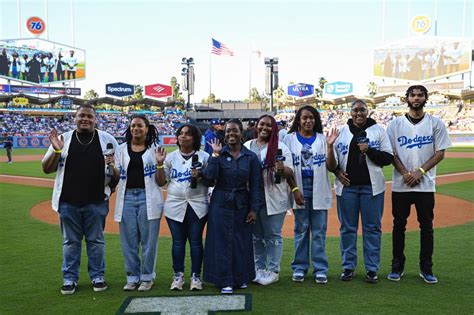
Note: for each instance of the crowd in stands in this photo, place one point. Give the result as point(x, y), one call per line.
point(18, 124)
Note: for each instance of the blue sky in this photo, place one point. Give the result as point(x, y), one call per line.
point(142, 42)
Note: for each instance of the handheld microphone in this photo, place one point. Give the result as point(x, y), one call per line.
point(109, 151)
point(279, 157)
point(195, 165)
point(362, 138)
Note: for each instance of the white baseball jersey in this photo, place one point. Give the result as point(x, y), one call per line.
point(414, 145)
point(322, 195)
point(277, 196)
point(377, 140)
point(179, 194)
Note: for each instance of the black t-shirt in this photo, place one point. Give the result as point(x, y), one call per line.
point(135, 178)
point(85, 171)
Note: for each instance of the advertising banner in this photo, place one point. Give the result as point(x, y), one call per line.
point(39, 90)
point(31, 142)
point(37, 61)
point(119, 89)
point(423, 58)
point(338, 88)
point(301, 89)
point(158, 90)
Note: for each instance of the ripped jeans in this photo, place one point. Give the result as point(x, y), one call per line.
point(267, 240)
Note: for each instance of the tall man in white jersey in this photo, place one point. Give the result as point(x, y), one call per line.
point(418, 141)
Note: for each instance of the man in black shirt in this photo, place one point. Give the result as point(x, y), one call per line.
point(80, 195)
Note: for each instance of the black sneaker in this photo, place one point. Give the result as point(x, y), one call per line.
point(371, 277)
point(68, 288)
point(99, 285)
point(347, 275)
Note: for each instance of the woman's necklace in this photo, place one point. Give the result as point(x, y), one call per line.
point(77, 137)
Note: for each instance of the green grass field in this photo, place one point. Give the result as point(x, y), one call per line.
point(31, 272)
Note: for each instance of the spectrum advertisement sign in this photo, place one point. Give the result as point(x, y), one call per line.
point(338, 88)
point(119, 89)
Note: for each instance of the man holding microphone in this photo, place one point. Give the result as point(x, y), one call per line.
point(80, 195)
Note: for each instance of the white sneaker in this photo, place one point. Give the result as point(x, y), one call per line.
point(196, 284)
point(259, 273)
point(178, 282)
point(269, 278)
point(131, 286)
point(145, 286)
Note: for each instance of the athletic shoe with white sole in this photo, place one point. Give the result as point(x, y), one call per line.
point(69, 287)
point(196, 284)
point(395, 275)
point(269, 278)
point(428, 277)
point(99, 285)
point(178, 282)
point(131, 286)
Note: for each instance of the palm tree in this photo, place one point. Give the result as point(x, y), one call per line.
point(319, 90)
point(91, 94)
point(372, 88)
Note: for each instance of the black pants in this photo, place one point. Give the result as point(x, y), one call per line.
point(69, 74)
point(424, 204)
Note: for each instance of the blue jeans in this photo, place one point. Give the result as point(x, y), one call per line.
point(190, 229)
point(83, 222)
point(309, 222)
point(267, 240)
point(136, 230)
point(355, 200)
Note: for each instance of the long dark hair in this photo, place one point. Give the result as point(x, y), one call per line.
point(272, 147)
point(195, 132)
point(318, 126)
point(151, 136)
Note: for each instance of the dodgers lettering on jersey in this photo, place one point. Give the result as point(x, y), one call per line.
point(149, 170)
point(181, 176)
point(374, 144)
point(343, 148)
point(318, 159)
point(416, 141)
point(123, 174)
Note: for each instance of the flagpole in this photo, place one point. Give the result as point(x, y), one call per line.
point(210, 85)
point(250, 77)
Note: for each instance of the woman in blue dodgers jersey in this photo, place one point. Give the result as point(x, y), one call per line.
point(308, 147)
point(139, 202)
point(267, 232)
point(356, 154)
point(185, 207)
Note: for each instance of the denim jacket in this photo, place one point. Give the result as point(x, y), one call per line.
point(235, 176)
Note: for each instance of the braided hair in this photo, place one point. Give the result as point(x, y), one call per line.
point(151, 136)
point(271, 148)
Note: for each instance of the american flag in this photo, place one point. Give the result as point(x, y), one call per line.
point(219, 48)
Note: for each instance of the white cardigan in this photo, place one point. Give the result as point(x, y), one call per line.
point(153, 193)
point(277, 196)
point(378, 140)
point(104, 139)
point(322, 195)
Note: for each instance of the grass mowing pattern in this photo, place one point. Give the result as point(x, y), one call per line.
point(462, 190)
point(31, 264)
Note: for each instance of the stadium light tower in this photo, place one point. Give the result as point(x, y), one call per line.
point(271, 77)
point(188, 78)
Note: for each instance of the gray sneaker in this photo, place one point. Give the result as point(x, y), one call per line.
point(178, 282)
point(131, 286)
point(196, 284)
point(145, 286)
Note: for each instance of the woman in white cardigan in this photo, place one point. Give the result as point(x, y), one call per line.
point(307, 145)
point(139, 202)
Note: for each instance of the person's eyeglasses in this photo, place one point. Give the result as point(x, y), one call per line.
point(359, 110)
